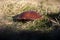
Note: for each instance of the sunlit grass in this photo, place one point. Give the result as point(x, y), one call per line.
point(10, 9)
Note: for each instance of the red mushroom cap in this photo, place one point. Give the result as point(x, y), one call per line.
point(29, 15)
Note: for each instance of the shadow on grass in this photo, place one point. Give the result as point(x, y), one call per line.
point(29, 35)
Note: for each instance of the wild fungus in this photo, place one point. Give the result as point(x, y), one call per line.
point(27, 16)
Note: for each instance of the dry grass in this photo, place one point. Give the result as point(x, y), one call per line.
point(10, 8)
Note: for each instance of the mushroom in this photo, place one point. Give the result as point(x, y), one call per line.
point(27, 16)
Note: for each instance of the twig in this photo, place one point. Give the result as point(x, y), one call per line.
point(55, 22)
